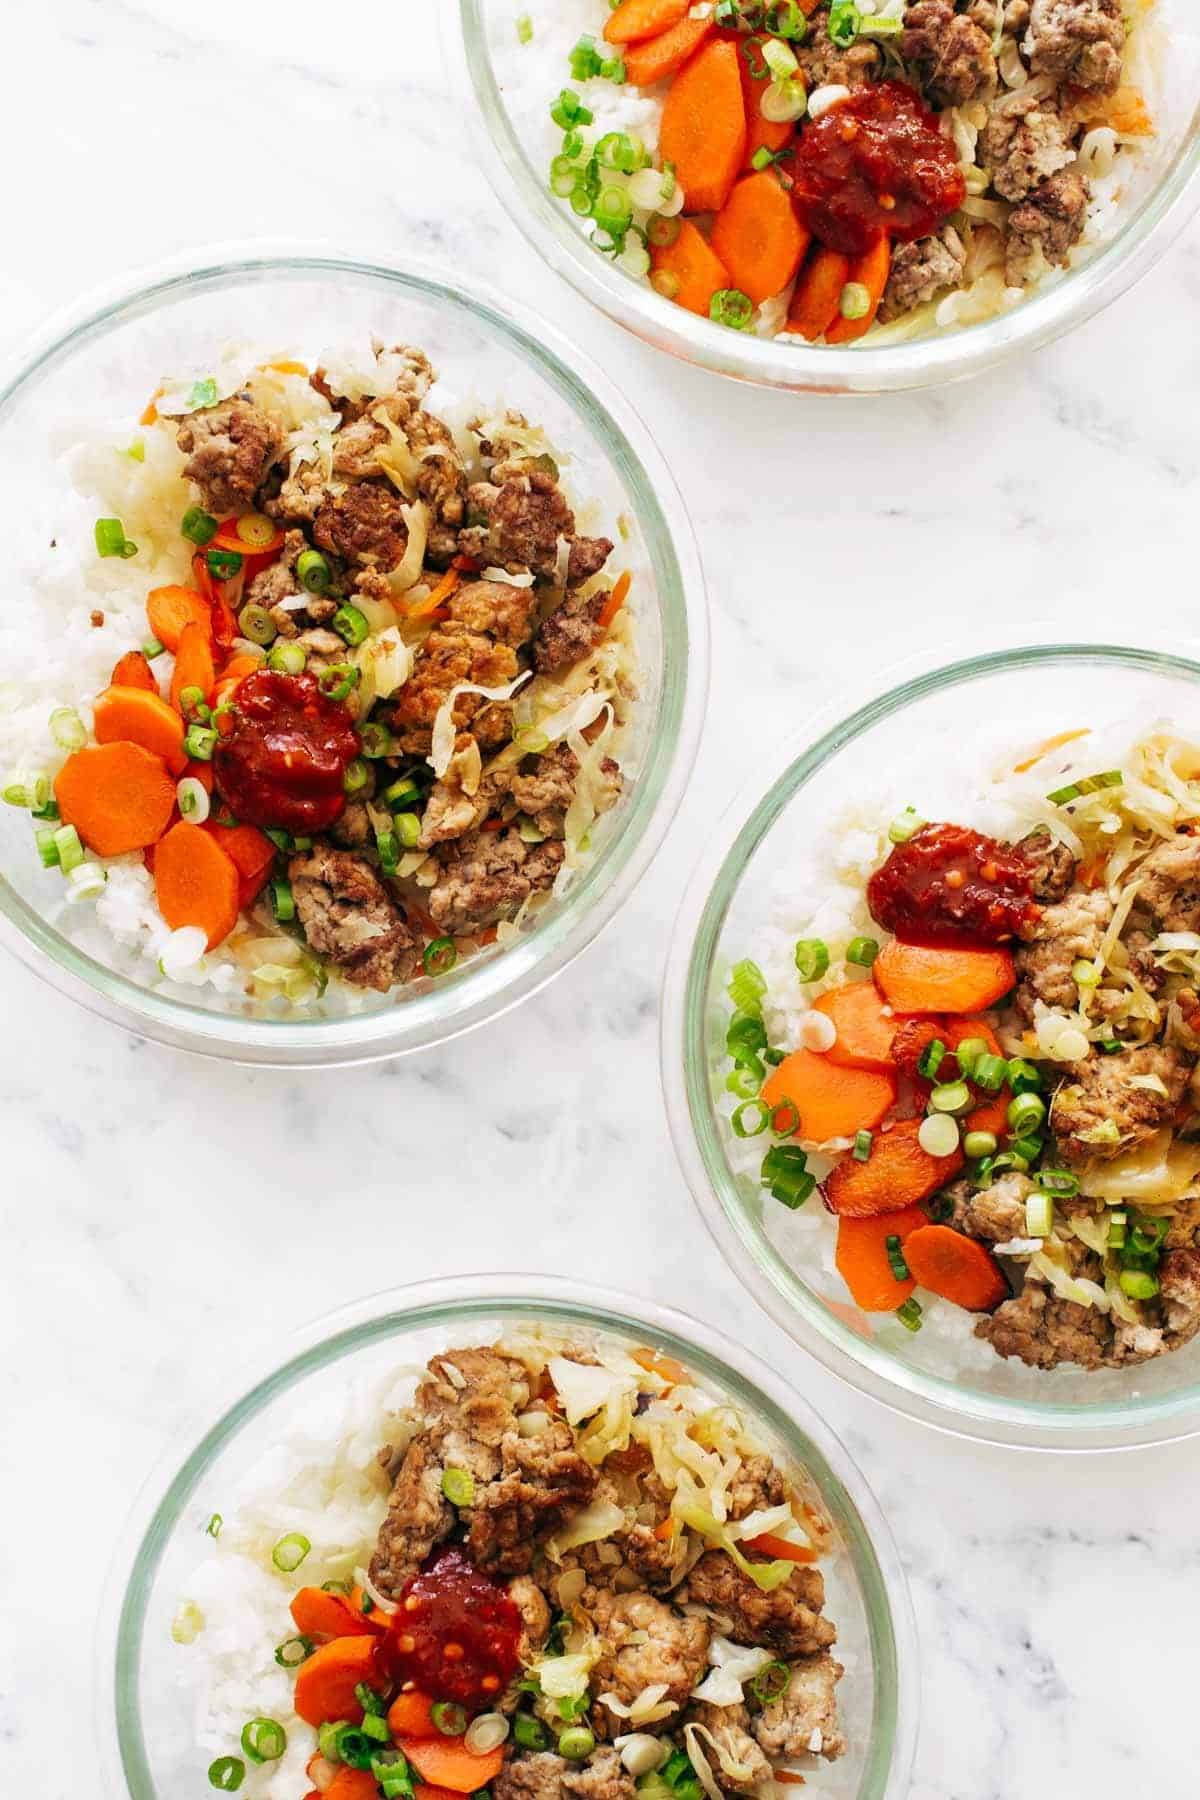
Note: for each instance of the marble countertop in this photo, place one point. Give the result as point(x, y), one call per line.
point(1056, 1600)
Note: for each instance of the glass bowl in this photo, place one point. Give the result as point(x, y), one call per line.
point(146, 1695)
point(480, 40)
point(909, 746)
point(97, 369)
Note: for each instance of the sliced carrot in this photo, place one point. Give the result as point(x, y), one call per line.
point(657, 57)
point(898, 1173)
point(1047, 745)
point(832, 1101)
point(227, 538)
point(446, 1762)
point(634, 20)
point(871, 272)
point(864, 1029)
point(692, 264)
point(615, 601)
point(436, 599)
point(758, 236)
point(193, 665)
point(410, 1715)
point(251, 852)
point(196, 883)
point(768, 1543)
point(862, 1257)
point(320, 1614)
point(133, 670)
point(325, 1683)
point(656, 1363)
point(761, 134)
point(423, 1791)
point(956, 1267)
point(814, 303)
point(918, 978)
point(169, 609)
point(135, 716)
point(703, 126)
point(352, 1784)
point(992, 1112)
point(119, 797)
point(201, 772)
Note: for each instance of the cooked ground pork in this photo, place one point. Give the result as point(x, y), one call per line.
point(1023, 143)
point(787, 1620)
point(1044, 227)
point(1043, 1331)
point(545, 1776)
point(995, 1214)
point(363, 524)
point(447, 658)
point(516, 521)
point(1169, 883)
point(1103, 1092)
point(534, 1609)
point(487, 876)
point(1077, 41)
point(542, 1480)
point(922, 270)
point(645, 1642)
point(571, 631)
point(348, 916)
point(950, 54)
point(757, 1485)
point(496, 609)
point(1052, 866)
point(231, 449)
point(1179, 1278)
point(806, 1711)
point(1065, 934)
point(730, 1726)
point(822, 62)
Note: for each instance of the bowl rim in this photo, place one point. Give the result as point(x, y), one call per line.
point(954, 355)
point(488, 986)
point(934, 1401)
point(454, 1300)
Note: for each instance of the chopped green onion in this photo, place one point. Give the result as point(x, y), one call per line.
point(1030, 1148)
point(402, 794)
point(1012, 1158)
point(1087, 784)
point(376, 739)
point(895, 1256)
point(746, 986)
point(264, 1740)
point(369, 1700)
point(375, 1727)
point(1023, 1077)
point(313, 572)
point(613, 210)
point(199, 526)
point(199, 742)
point(47, 849)
point(1109, 1046)
point(844, 23)
point(1116, 1230)
point(387, 846)
point(863, 1140)
point(223, 565)
point(746, 1036)
point(440, 956)
point(355, 777)
point(524, 29)
point(283, 903)
point(909, 1314)
point(293, 1651)
point(353, 1747)
point(1039, 1214)
point(1084, 973)
point(568, 110)
point(772, 1680)
point(111, 539)
point(407, 827)
point(931, 1059)
point(136, 451)
point(750, 1119)
point(152, 648)
point(968, 1053)
point(855, 301)
point(394, 1776)
point(785, 1120)
point(290, 1551)
point(257, 624)
point(980, 1143)
point(862, 951)
point(745, 1081)
point(227, 1774)
point(1026, 1114)
point(785, 1173)
point(70, 850)
point(350, 622)
point(529, 1733)
point(339, 680)
point(67, 728)
point(327, 1740)
point(449, 1718)
point(990, 1073)
point(731, 307)
point(287, 659)
point(785, 19)
point(49, 811)
point(458, 1485)
point(204, 393)
point(563, 176)
point(1058, 1181)
point(812, 958)
point(938, 1135)
point(576, 1744)
point(773, 1056)
point(213, 1528)
point(941, 1208)
point(192, 799)
point(662, 232)
point(191, 699)
point(905, 825)
point(951, 1097)
point(1138, 1284)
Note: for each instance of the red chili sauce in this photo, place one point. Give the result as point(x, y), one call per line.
point(949, 884)
point(455, 1633)
point(875, 166)
point(282, 764)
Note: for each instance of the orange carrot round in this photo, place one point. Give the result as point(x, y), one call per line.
point(862, 1257)
point(134, 715)
point(814, 303)
point(352, 1784)
point(133, 670)
point(869, 272)
point(196, 883)
point(758, 236)
point(832, 1101)
point(703, 126)
point(916, 978)
point(615, 601)
point(119, 797)
point(958, 1268)
point(447, 1763)
point(864, 1029)
point(898, 1173)
point(320, 1614)
point(193, 665)
point(657, 57)
point(169, 609)
point(634, 20)
point(692, 263)
point(410, 1715)
point(325, 1683)
point(251, 852)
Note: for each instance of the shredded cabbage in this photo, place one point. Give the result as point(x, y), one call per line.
point(445, 731)
point(647, 1709)
point(766, 1576)
point(565, 1677)
point(408, 570)
point(732, 1665)
point(590, 1525)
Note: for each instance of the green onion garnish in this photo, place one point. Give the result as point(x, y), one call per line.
point(773, 1056)
point(524, 29)
point(287, 659)
point(283, 902)
point(313, 572)
point(844, 23)
point(350, 623)
point(585, 59)
point(458, 1485)
point(863, 1140)
point(785, 1120)
point(69, 847)
point(731, 307)
point(199, 526)
point(1116, 1230)
point(223, 565)
point(369, 1700)
point(1058, 1181)
point(968, 1053)
point(1087, 784)
point(440, 956)
point(152, 648)
point(402, 794)
point(293, 1651)
point(375, 1727)
point(290, 1551)
point(199, 742)
point(862, 951)
point(905, 825)
point(407, 827)
point(746, 986)
point(771, 1681)
point(812, 958)
point(204, 393)
point(1026, 1114)
point(950, 1097)
point(990, 1073)
point(977, 1144)
point(750, 1119)
point(355, 777)
point(213, 1528)
point(529, 1733)
point(785, 1173)
point(47, 849)
point(1138, 1284)
point(376, 739)
point(568, 110)
point(576, 1744)
point(227, 1774)
point(1023, 1077)
point(1039, 1214)
point(339, 680)
point(745, 1081)
point(931, 1059)
point(449, 1718)
point(264, 1740)
point(895, 1256)
point(67, 728)
point(111, 539)
point(909, 1314)
point(353, 1747)
point(256, 623)
point(387, 844)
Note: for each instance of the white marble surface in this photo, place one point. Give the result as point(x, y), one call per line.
point(163, 1215)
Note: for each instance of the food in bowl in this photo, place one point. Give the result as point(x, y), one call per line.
point(569, 1571)
point(988, 1038)
point(373, 681)
point(841, 172)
